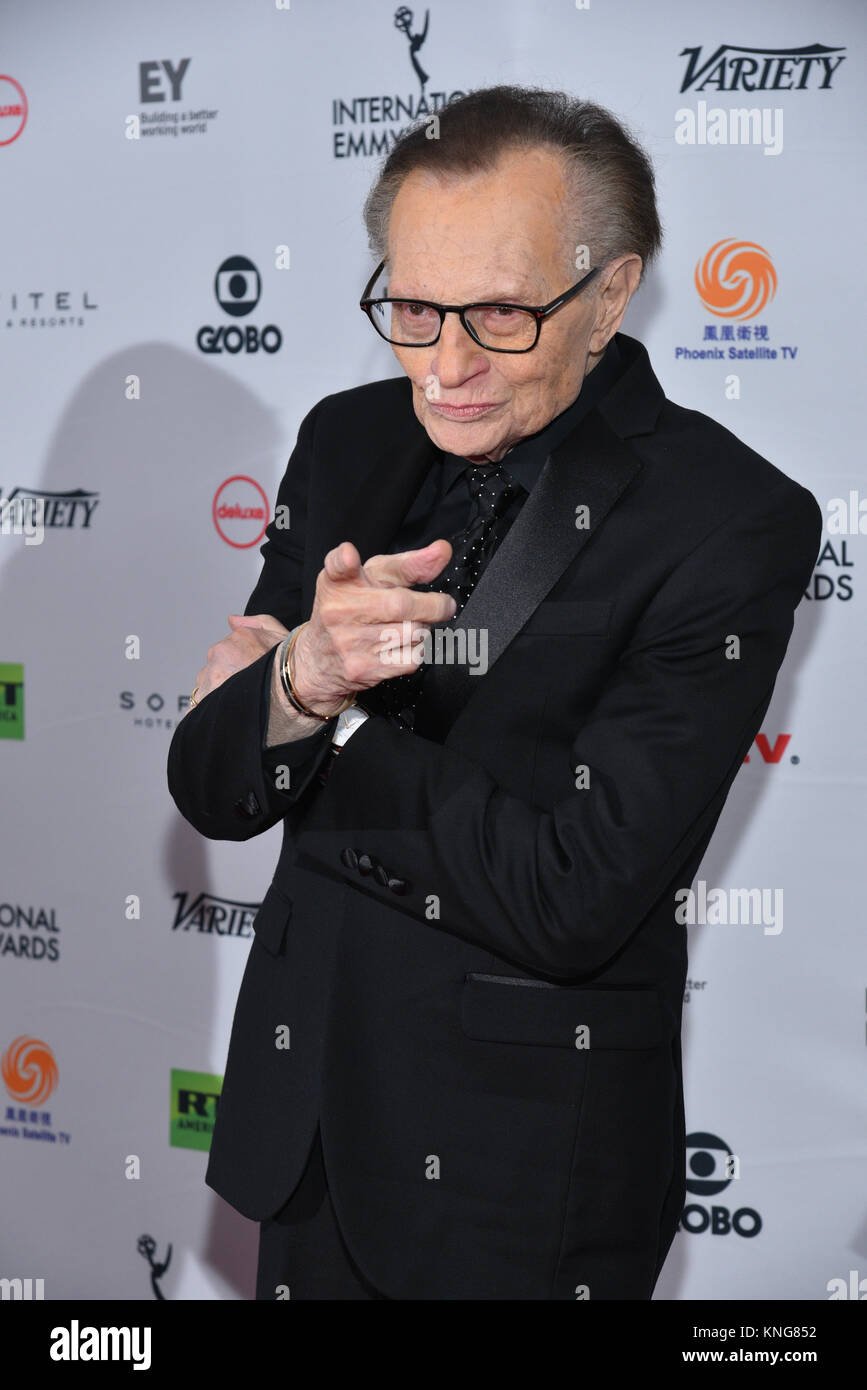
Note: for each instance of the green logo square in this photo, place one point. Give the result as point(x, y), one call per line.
point(11, 700)
point(194, 1099)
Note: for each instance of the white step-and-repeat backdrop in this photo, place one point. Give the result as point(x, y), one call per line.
point(154, 158)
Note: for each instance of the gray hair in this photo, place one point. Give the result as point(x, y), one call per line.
point(611, 194)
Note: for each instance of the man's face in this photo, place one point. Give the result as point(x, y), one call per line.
point(496, 236)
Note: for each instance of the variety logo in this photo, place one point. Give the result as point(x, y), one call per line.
point(11, 700)
point(214, 916)
point(240, 511)
point(237, 289)
point(710, 1168)
point(732, 68)
point(61, 309)
point(160, 84)
point(29, 511)
point(13, 109)
point(195, 1098)
point(23, 932)
point(736, 279)
point(365, 126)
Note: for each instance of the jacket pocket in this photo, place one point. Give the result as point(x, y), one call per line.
point(567, 617)
point(513, 1009)
point(272, 919)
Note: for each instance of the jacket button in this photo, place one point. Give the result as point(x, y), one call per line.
point(349, 858)
point(365, 864)
point(381, 876)
point(399, 886)
point(247, 807)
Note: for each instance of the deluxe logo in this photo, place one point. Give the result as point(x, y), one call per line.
point(237, 289)
point(11, 700)
point(210, 915)
point(13, 109)
point(240, 511)
point(733, 68)
point(710, 1167)
point(736, 279)
point(29, 1070)
point(195, 1097)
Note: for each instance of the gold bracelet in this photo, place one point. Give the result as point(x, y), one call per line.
point(291, 693)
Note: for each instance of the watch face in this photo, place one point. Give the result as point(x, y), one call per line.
point(347, 723)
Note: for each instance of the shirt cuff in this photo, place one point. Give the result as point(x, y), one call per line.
point(302, 757)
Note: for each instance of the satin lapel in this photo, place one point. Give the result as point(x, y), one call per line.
point(590, 469)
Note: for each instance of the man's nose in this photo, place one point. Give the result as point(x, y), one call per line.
point(456, 354)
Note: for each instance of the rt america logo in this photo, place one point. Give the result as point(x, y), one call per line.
point(238, 289)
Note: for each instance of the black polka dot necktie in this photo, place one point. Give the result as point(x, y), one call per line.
point(492, 491)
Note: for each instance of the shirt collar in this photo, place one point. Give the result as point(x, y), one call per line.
point(526, 459)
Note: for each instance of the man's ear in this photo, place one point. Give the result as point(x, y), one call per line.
point(618, 282)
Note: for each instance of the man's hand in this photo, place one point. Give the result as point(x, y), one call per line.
point(250, 638)
point(343, 648)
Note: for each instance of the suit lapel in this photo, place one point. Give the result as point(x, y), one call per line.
point(590, 469)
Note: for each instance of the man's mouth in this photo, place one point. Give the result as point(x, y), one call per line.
point(463, 412)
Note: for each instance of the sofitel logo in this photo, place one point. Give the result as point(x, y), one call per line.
point(47, 309)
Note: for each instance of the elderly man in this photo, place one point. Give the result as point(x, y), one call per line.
point(454, 1070)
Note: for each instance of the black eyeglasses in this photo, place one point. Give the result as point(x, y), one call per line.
point(495, 327)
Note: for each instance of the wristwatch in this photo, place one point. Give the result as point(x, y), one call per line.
point(348, 723)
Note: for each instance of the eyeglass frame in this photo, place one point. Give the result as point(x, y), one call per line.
point(540, 312)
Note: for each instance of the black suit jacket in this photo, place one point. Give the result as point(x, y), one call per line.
point(448, 911)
